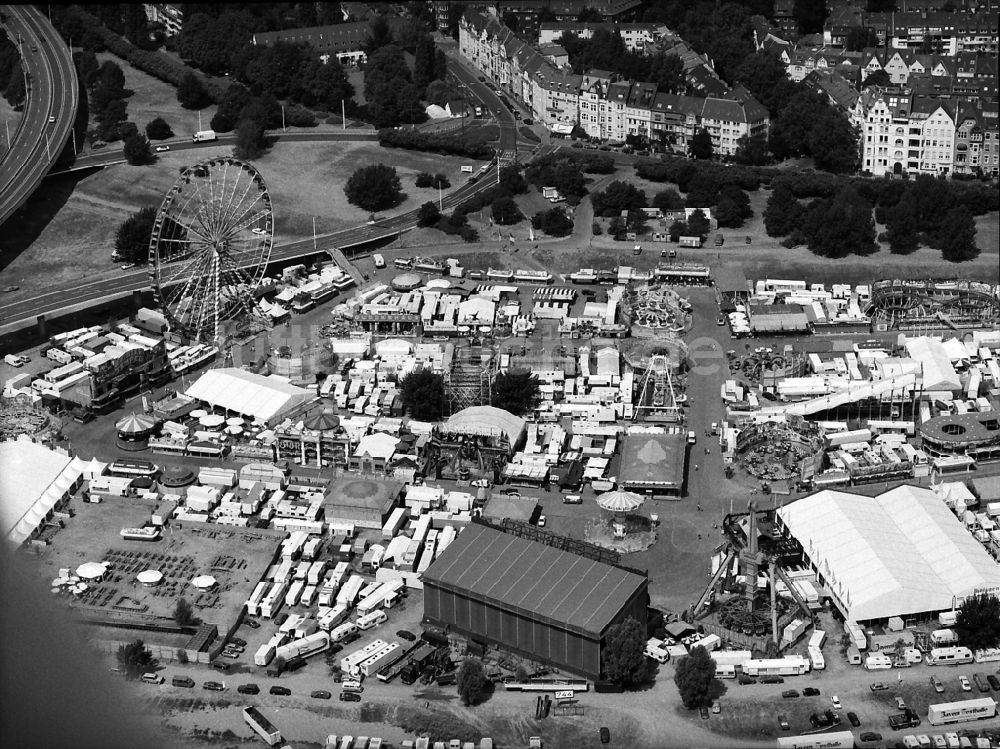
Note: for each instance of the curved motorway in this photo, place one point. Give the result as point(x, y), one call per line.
point(49, 111)
point(24, 312)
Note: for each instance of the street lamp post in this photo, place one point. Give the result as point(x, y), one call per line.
point(282, 117)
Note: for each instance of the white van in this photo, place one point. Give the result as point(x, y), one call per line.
point(151, 678)
point(352, 685)
point(910, 741)
point(379, 260)
point(15, 361)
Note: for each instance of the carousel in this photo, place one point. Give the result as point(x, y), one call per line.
point(622, 525)
point(134, 431)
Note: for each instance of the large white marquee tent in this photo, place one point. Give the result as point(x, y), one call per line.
point(33, 481)
point(263, 398)
point(902, 552)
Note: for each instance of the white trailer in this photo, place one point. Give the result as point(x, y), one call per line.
point(960, 712)
point(348, 594)
point(381, 658)
point(793, 665)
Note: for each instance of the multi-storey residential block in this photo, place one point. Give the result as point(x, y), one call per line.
point(170, 15)
point(635, 35)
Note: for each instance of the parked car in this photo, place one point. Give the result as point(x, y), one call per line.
point(248, 689)
point(783, 722)
point(870, 736)
point(220, 666)
point(161, 149)
point(406, 634)
point(744, 679)
point(321, 694)
point(214, 686)
point(252, 623)
point(541, 521)
point(716, 707)
point(350, 697)
point(835, 701)
point(810, 692)
point(964, 681)
point(900, 703)
point(279, 690)
point(938, 686)
point(238, 642)
point(853, 718)
point(11, 288)
point(789, 694)
point(703, 711)
point(993, 682)
point(879, 686)
point(772, 679)
point(605, 735)
point(128, 266)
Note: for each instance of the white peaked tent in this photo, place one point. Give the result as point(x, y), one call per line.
point(94, 469)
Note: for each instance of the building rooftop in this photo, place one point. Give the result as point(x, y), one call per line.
point(537, 581)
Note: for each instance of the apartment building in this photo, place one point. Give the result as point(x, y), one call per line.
point(905, 133)
point(900, 65)
point(170, 15)
point(635, 35)
point(603, 105)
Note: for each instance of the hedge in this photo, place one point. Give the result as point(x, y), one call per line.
point(434, 143)
point(153, 63)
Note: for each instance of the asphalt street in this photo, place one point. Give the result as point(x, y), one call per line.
point(50, 109)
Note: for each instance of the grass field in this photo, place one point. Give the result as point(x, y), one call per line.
point(67, 231)
point(153, 98)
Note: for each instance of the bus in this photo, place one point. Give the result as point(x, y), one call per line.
point(264, 728)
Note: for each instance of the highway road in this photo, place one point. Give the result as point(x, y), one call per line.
point(114, 155)
point(49, 111)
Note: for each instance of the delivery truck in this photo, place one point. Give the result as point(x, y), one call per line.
point(204, 136)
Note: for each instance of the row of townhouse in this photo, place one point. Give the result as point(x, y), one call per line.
point(900, 64)
point(635, 35)
point(905, 132)
point(603, 106)
point(945, 32)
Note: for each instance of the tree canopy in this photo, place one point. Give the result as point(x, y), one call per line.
point(553, 222)
point(700, 146)
point(135, 659)
point(471, 681)
point(133, 235)
point(184, 614)
point(423, 395)
point(978, 624)
point(956, 238)
point(694, 676)
point(136, 149)
point(191, 93)
point(783, 212)
point(374, 187)
point(623, 657)
point(428, 214)
point(617, 197)
point(516, 391)
point(158, 129)
point(809, 125)
point(840, 226)
point(391, 95)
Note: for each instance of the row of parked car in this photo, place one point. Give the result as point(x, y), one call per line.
point(351, 693)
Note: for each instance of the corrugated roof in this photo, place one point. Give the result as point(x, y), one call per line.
point(901, 552)
point(534, 580)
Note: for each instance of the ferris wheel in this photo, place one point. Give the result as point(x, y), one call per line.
point(209, 247)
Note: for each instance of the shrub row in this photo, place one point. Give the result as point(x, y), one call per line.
point(434, 143)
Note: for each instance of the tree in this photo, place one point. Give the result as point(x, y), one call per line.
point(701, 145)
point(505, 210)
point(428, 214)
point(472, 681)
point(765, 77)
point(877, 78)
point(133, 235)
point(516, 391)
point(379, 36)
point(694, 676)
point(374, 187)
point(135, 659)
point(783, 212)
point(423, 394)
point(14, 92)
point(956, 237)
point(236, 97)
point(624, 659)
point(901, 226)
point(158, 129)
point(668, 200)
point(733, 207)
point(698, 223)
point(553, 222)
point(809, 14)
point(841, 225)
point(858, 37)
point(617, 197)
point(184, 614)
point(978, 624)
point(250, 140)
point(752, 151)
point(423, 65)
point(87, 67)
point(191, 92)
point(137, 151)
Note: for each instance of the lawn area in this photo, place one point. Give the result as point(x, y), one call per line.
point(153, 98)
point(67, 229)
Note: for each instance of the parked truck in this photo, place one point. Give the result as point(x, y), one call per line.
point(960, 712)
point(204, 136)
